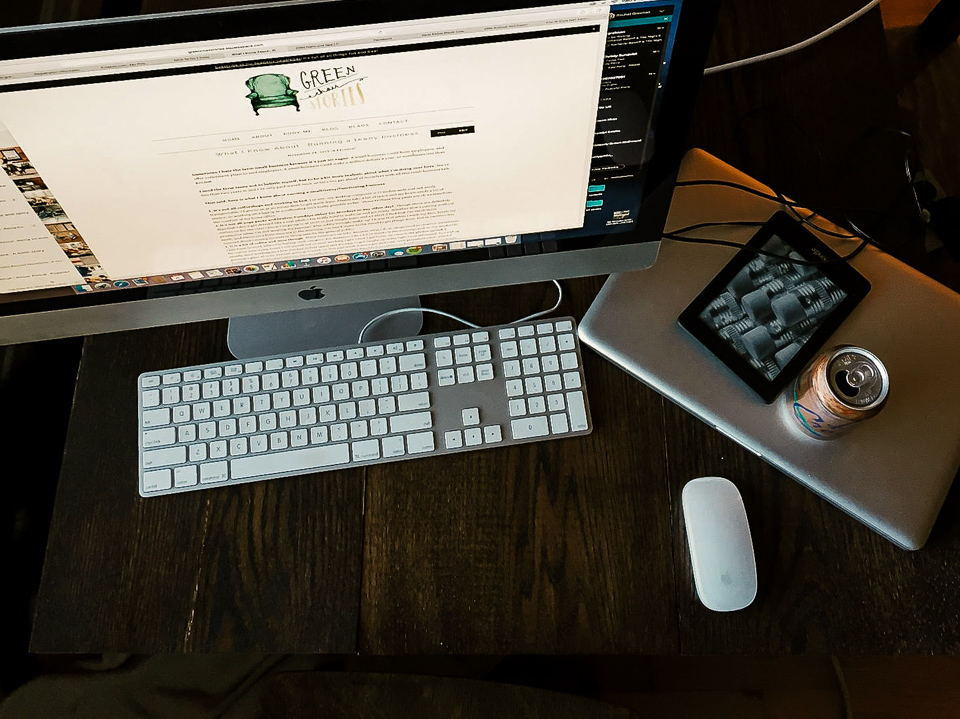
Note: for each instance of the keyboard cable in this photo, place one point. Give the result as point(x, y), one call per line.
point(405, 310)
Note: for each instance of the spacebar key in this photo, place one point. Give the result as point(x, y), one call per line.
point(298, 460)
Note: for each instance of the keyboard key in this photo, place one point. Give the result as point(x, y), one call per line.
point(388, 365)
point(577, 410)
point(558, 423)
point(393, 446)
point(420, 442)
point(185, 476)
point(453, 439)
point(414, 400)
point(213, 472)
point(150, 398)
point(365, 451)
point(411, 363)
point(470, 416)
point(409, 422)
point(529, 427)
point(186, 433)
point(533, 385)
point(157, 480)
point(164, 457)
point(159, 437)
point(492, 434)
point(517, 407)
point(299, 460)
point(473, 436)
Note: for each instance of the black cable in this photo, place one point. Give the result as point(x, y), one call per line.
point(774, 195)
point(756, 250)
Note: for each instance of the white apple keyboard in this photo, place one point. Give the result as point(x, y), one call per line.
point(244, 421)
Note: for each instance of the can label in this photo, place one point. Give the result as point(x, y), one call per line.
point(840, 388)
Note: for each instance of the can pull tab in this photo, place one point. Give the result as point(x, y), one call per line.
point(849, 381)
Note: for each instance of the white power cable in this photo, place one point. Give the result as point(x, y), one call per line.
point(405, 310)
point(793, 48)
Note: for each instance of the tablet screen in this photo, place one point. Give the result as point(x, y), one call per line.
point(765, 315)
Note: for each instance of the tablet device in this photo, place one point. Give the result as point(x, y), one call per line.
point(766, 315)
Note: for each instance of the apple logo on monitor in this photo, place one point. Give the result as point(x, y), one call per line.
point(314, 293)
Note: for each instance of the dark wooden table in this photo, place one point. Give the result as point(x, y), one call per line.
point(570, 546)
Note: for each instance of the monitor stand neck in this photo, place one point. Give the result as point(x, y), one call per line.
point(320, 328)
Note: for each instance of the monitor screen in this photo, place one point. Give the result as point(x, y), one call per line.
point(392, 150)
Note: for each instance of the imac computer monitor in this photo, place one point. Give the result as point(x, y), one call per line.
point(275, 157)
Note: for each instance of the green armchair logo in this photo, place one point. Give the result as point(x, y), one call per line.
point(271, 90)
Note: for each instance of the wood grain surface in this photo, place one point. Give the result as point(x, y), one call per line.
point(252, 569)
point(546, 547)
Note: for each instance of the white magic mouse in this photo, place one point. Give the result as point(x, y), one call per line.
point(721, 550)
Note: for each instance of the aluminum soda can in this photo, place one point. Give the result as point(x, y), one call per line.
point(841, 387)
